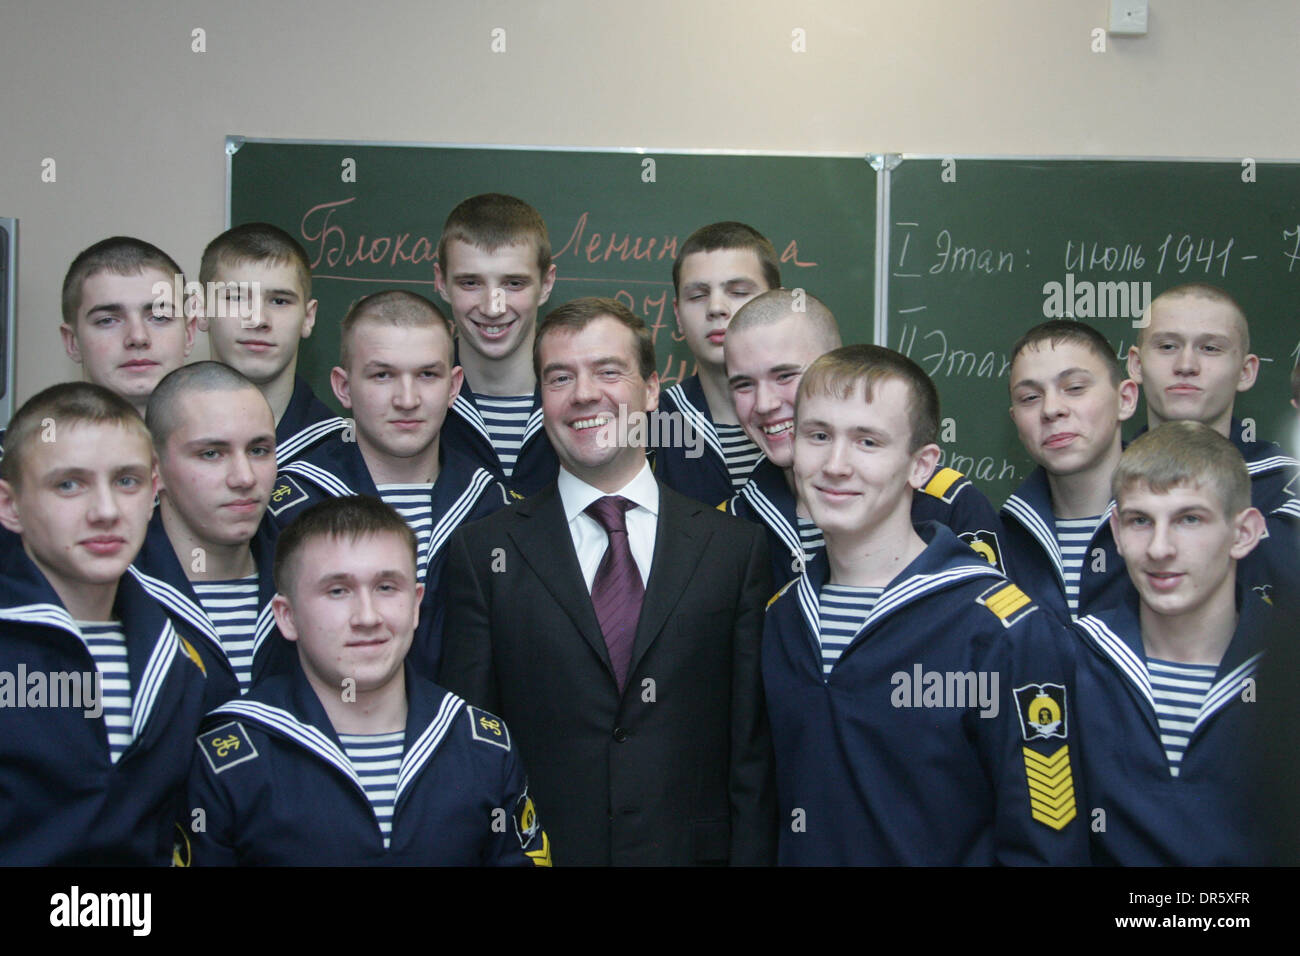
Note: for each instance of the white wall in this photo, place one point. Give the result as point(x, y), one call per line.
point(136, 121)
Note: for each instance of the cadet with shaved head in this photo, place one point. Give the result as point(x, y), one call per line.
point(397, 373)
point(207, 557)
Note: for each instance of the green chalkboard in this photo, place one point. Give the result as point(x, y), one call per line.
point(615, 219)
point(974, 243)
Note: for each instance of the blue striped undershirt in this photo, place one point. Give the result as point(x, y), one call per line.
point(377, 758)
point(1178, 691)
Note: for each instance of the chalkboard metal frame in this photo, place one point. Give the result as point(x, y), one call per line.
point(235, 141)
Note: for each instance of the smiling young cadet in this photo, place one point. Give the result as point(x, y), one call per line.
point(258, 311)
point(720, 267)
point(1069, 400)
point(96, 780)
point(919, 702)
point(397, 375)
point(351, 758)
point(1191, 359)
point(494, 270)
point(207, 557)
point(1165, 681)
point(769, 343)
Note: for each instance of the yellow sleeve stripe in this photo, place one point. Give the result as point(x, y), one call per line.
point(1006, 601)
point(942, 480)
point(192, 654)
point(775, 597)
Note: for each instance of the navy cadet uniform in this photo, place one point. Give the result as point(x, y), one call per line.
point(949, 497)
point(868, 773)
point(63, 801)
point(466, 433)
point(704, 478)
point(1272, 471)
point(1033, 558)
point(159, 570)
point(306, 422)
point(463, 492)
point(1201, 817)
point(278, 789)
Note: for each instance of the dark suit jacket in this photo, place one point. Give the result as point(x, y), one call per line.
point(677, 769)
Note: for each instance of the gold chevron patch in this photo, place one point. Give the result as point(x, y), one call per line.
point(1008, 603)
point(1051, 787)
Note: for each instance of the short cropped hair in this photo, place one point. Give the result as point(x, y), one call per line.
point(840, 373)
point(815, 319)
point(1070, 332)
point(577, 315)
point(1184, 453)
point(394, 307)
point(197, 377)
point(120, 255)
point(65, 404)
point(729, 235)
point(256, 242)
point(351, 517)
point(492, 220)
point(1203, 290)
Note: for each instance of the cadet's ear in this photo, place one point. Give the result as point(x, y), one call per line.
point(283, 612)
point(9, 508)
point(1248, 528)
point(924, 460)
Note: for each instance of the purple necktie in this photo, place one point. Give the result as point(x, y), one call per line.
point(616, 591)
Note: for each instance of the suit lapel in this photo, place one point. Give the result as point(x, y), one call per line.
point(542, 537)
point(678, 549)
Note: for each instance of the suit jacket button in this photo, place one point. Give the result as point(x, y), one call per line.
point(620, 734)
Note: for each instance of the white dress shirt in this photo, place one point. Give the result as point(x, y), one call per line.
point(590, 539)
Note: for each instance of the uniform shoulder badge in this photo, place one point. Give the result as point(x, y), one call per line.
point(285, 494)
point(985, 544)
point(1007, 602)
point(1043, 715)
point(945, 484)
point(226, 746)
point(192, 654)
point(775, 597)
point(488, 728)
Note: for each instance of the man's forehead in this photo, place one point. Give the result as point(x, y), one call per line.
point(90, 446)
point(517, 256)
point(148, 284)
point(886, 406)
point(362, 555)
point(600, 339)
point(238, 411)
point(1045, 359)
point(1194, 492)
point(1194, 315)
point(721, 265)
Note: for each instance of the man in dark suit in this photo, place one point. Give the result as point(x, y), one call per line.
point(615, 625)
